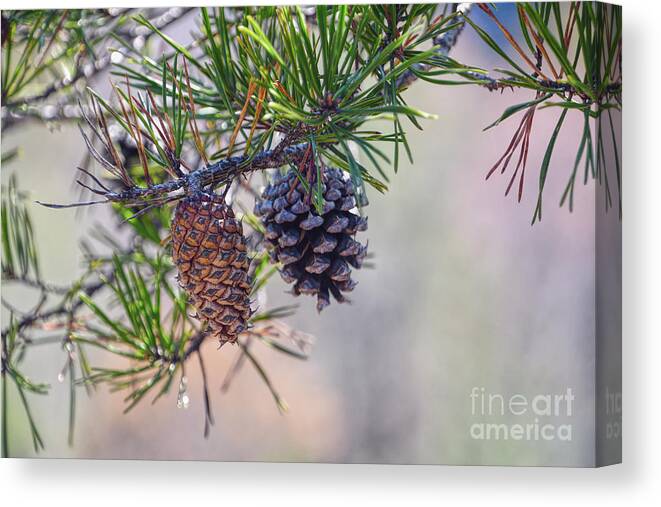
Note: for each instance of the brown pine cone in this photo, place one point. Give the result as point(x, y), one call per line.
point(317, 250)
point(209, 250)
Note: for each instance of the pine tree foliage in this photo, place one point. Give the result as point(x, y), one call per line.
point(286, 96)
point(572, 64)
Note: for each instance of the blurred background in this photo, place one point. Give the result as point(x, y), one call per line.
point(464, 293)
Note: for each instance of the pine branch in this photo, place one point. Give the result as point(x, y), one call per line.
point(59, 310)
point(219, 173)
point(316, 122)
point(611, 91)
point(34, 107)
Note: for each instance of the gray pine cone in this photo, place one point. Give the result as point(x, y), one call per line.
point(317, 250)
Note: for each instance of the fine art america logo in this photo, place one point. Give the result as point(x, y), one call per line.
point(521, 417)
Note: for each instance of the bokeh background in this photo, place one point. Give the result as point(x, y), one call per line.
point(464, 293)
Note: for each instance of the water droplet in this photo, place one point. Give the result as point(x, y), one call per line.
point(117, 57)
point(60, 377)
point(183, 401)
point(182, 398)
point(49, 112)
